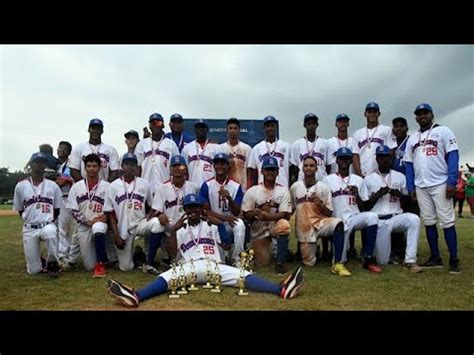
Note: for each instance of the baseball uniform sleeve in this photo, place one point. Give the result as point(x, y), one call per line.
point(293, 191)
point(72, 198)
point(408, 155)
point(449, 140)
point(248, 200)
point(391, 140)
point(75, 159)
point(355, 146)
point(109, 200)
point(294, 152)
point(239, 196)
point(364, 190)
point(285, 204)
point(247, 158)
point(139, 153)
point(17, 200)
point(174, 149)
point(149, 194)
point(253, 161)
point(204, 193)
point(57, 196)
point(215, 234)
point(159, 199)
point(403, 186)
point(327, 196)
point(114, 160)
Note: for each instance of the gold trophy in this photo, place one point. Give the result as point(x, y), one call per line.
point(217, 280)
point(244, 257)
point(193, 278)
point(173, 284)
point(208, 275)
point(251, 260)
point(243, 260)
point(182, 280)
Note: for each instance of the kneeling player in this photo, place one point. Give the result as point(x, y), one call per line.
point(86, 201)
point(347, 204)
point(383, 190)
point(312, 202)
point(198, 241)
point(128, 199)
point(222, 198)
point(267, 206)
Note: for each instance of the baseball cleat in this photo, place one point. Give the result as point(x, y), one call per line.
point(148, 269)
point(454, 267)
point(99, 270)
point(340, 269)
point(372, 266)
point(291, 286)
point(434, 263)
point(124, 294)
point(413, 267)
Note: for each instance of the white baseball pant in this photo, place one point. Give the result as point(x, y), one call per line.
point(87, 244)
point(433, 203)
point(68, 236)
point(31, 246)
point(404, 222)
point(357, 222)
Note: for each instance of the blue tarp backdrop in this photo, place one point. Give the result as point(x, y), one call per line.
point(251, 131)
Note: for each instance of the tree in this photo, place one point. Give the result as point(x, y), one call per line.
point(8, 180)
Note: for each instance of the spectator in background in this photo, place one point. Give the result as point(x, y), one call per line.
point(50, 172)
point(460, 194)
point(469, 190)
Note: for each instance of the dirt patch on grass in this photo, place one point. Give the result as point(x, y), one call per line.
point(8, 213)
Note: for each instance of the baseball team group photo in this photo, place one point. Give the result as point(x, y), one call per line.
point(309, 196)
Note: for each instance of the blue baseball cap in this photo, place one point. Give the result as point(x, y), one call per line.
point(155, 117)
point(176, 116)
point(178, 160)
point(132, 133)
point(310, 116)
point(372, 105)
point(200, 122)
point(129, 156)
point(382, 150)
point(220, 156)
point(268, 119)
point(38, 156)
point(191, 199)
point(270, 162)
point(342, 116)
point(426, 107)
point(96, 122)
point(344, 152)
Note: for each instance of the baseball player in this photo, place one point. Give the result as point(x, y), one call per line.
point(367, 139)
point(168, 202)
point(267, 207)
point(131, 140)
point(432, 161)
point(309, 145)
point(108, 155)
point(69, 250)
point(222, 198)
point(177, 134)
point(154, 153)
point(383, 191)
point(341, 139)
point(38, 201)
point(197, 241)
point(199, 153)
point(270, 147)
point(347, 204)
point(312, 203)
point(127, 202)
point(237, 151)
point(86, 202)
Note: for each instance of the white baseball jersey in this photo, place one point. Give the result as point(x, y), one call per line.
point(280, 150)
point(65, 172)
point(308, 217)
point(366, 142)
point(239, 157)
point(199, 160)
point(154, 159)
point(258, 195)
point(89, 202)
point(302, 148)
point(334, 143)
point(427, 151)
point(37, 202)
point(387, 204)
point(198, 242)
point(344, 203)
point(108, 156)
point(169, 199)
point(210, 193)
point(128, 203)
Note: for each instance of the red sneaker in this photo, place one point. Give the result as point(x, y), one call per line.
point(372, 267)
point(99, 270)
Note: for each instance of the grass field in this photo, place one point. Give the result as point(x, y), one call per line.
point(394, 289)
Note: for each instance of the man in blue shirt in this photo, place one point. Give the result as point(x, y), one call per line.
point(177, 133)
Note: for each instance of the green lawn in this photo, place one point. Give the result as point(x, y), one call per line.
point(6, 207)
point(394, 289)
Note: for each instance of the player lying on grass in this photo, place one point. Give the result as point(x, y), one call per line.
point(198, 241)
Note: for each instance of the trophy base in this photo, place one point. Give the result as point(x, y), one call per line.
point(217, 290)
point(173, 295)
point(207, 286)
point(193, 288)
point(183, 292)
point(242, 293)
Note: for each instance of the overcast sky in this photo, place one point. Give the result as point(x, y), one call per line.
point(49, 93)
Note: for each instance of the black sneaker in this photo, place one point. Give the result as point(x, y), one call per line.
point(280, 269)
point(53, 269)
point(454, 267)
point(434, 263)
